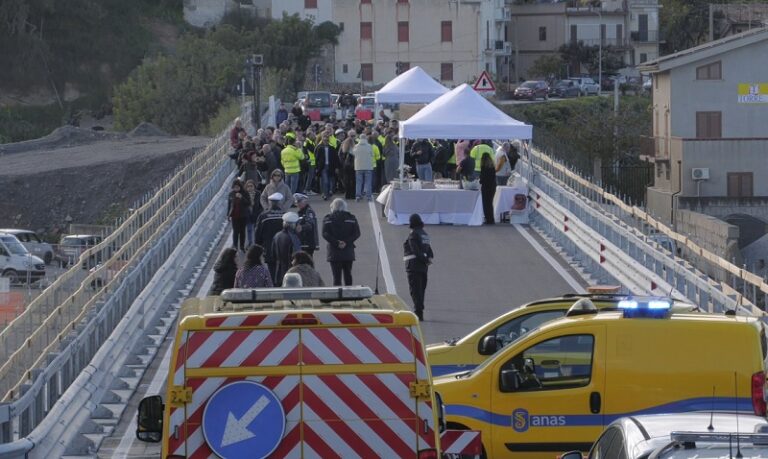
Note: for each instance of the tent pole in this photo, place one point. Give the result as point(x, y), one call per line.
point(402, 161)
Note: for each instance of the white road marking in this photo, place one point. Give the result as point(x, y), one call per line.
point(386, 271)
point(573, 283)
point(129, 436)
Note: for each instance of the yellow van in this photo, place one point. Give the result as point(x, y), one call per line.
point(556, 388)
point(462, 354)
point(305, 372)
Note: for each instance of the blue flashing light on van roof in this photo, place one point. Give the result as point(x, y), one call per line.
point(645, 308)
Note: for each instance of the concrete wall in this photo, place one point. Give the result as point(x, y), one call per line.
point(723, 207)
point(713, 234)
point(524, 35)
point(690, 95)
point(722, 157)
point(424, 48)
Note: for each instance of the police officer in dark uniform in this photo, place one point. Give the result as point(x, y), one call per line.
point(341, 230)
point(307, 227)
point(268, 224)
point(418, 256)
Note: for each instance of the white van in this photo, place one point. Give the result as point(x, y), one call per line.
point(16, 263)
point(33, 243)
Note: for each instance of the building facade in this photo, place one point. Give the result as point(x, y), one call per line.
point(710, 135)
point(540, 29)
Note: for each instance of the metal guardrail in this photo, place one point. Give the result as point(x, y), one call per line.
point(595, 207)
point(52, 342)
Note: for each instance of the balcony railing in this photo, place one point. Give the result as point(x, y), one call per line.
point(617, 42)
point(645, 36)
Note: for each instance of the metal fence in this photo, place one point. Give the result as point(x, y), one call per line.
point(635, 232)
point(52, 341)
point(628, 181)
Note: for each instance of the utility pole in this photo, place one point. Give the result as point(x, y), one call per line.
point(255, 62)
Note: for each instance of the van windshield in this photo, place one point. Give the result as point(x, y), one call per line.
point(318, 99)
point(14, 246)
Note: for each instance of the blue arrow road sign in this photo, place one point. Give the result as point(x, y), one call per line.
point(243, 419)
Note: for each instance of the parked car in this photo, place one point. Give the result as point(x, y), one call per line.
point(33, 243)
point(587, 86)
point(318, 105)
point(647, 85)
point(565, 88)
point(685, 435)
point(17, 263)
point(72, 246)
point(365, 108)
point(532, 90)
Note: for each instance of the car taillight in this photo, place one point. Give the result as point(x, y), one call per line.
point(428, 454)
point(758, 396)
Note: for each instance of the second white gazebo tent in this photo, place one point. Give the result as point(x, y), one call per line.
point(414, 86)
point(461, 114)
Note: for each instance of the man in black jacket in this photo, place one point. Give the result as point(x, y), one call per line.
point(341, 230)
point(284, 245)
point(268, 224)
point(307, 226)
point(418, 256)
point(327, 161)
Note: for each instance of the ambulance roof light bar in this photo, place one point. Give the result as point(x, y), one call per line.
point(265, 295)
point(654, 308)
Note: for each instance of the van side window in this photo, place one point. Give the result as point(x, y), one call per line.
point(559, 363)
point(610, 445)
point(517, 327)
point(3, 252)
point(22, 237)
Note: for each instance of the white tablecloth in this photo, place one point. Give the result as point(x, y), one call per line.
point(505, 198)
point(456, 207)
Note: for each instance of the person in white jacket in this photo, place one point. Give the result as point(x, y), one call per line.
point(363, 153)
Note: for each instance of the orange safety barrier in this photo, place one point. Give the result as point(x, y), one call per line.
point(11, 305)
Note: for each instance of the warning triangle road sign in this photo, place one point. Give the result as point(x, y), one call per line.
point(484, 83)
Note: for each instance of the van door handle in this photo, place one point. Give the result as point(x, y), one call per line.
point(594, 402)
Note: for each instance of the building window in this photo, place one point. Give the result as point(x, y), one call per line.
point(401, 67)
point(446, 31)
point(446, 71)
point(310, 4)
point(402, 32)
point(643, 57)
point(542, 34)
point(713, 71)
point(709, 125)
point(366, 72)
point(402, 1)
point(366, 30)
point(740, 185)
point(344, 68)
point(603, 34)
point(574, 34)
point(619, 34)
point(365, 1)
point(341, 26)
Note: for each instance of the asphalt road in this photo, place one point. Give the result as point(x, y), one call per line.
point(478, 273)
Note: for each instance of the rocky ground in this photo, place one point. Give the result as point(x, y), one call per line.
point(84, 176)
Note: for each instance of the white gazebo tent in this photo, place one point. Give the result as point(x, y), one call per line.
point(414, 86)
point(461, 114)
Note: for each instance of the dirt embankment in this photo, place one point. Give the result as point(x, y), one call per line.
point(84, 176)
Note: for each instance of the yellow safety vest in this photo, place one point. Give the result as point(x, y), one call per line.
point(290, 157)
point(477, 153)
point(310, 146)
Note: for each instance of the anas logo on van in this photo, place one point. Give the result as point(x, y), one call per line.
point(521, 420)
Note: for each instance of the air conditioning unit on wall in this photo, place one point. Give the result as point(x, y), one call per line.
point(700, 173)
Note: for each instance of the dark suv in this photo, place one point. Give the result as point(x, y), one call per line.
point(532, 90)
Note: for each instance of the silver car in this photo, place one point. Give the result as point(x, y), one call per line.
point(700, 435)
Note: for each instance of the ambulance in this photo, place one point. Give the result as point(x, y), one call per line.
point(462, 354)
point(296, 373)
point(557, 387)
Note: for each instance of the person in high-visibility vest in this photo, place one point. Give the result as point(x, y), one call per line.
point(477, 153)
point(290, 158)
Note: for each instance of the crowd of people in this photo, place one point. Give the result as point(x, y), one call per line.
point(279, 167)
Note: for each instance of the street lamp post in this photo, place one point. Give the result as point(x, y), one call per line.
point(255, 62)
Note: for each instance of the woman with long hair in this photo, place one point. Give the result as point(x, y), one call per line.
point(254, 273)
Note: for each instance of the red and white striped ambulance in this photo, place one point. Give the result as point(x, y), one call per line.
point(296, 373)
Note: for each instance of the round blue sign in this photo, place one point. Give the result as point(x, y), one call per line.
point(243, 419)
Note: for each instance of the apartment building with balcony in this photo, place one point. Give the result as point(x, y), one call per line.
point(541, 28)
point(710, 135)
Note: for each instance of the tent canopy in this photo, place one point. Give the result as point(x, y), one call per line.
point(414, 86)
point(463, 114)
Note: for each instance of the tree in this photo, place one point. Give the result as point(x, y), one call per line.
point(684, 24)
point(545, 66)
point(579, 54)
